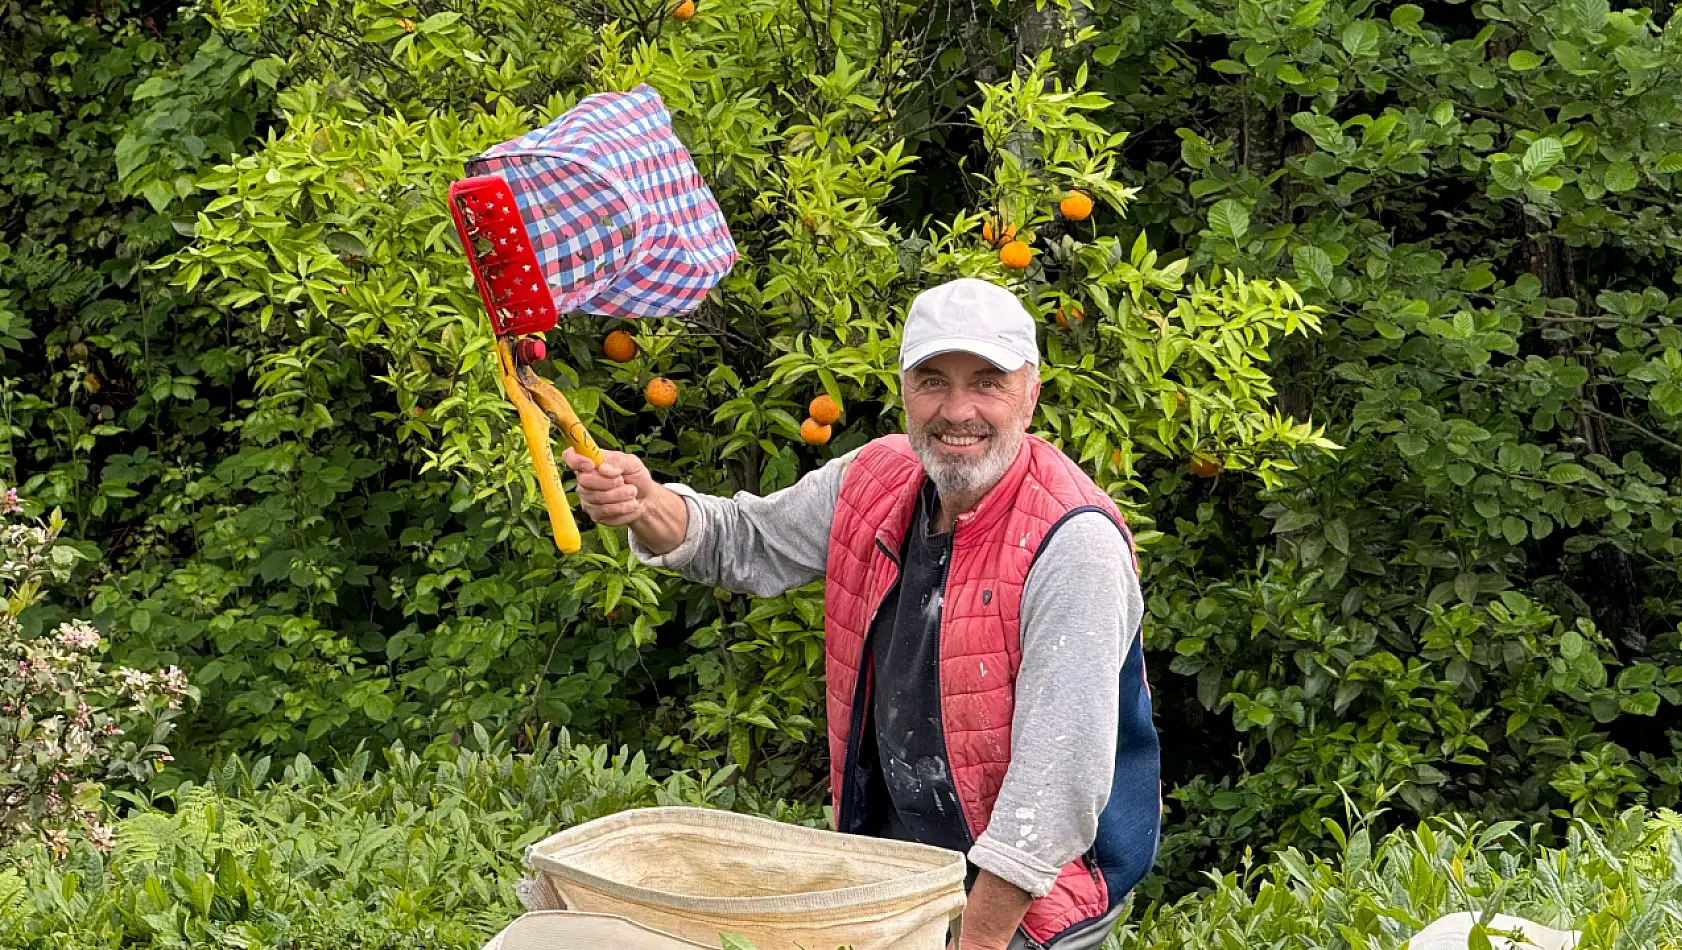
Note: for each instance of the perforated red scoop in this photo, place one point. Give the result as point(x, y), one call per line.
point(505, 267)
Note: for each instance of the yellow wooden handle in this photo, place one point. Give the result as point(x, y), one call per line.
point(535, 424)
point(560, 410)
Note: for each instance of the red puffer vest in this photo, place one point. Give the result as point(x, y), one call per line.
point(993, 547)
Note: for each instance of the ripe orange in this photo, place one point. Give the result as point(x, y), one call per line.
point(620, 346)
point(661, 392)
point(813, 433)
point(823, 410)
point(1076, 207)
point(407, 24)
point(1073, 315)
point(1205, 467)
point(1015, 255)
point(991, 233)
point(684, 10)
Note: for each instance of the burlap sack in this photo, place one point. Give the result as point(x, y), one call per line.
point(694, 874)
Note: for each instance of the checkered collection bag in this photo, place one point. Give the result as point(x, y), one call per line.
point(621, 223)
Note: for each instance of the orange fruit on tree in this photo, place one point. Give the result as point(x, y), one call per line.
point(684, 10)
point(993, 234)
point(1073, 315)
point(1015, 255)
point(660, 392)
point(1076, 207)
point(824, 410)
point(620, 346)
point(407, 24)
point(814, 433)
point(1205, 467)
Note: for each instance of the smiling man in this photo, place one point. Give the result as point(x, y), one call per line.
point(986, 683)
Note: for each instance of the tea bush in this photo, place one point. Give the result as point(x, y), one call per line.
point(1619, 887)
point(382, 850)
point(391, 850)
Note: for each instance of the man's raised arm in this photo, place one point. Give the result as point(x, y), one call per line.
point(747, 543)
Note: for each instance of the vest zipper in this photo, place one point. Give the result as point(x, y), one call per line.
point(861, 692)
point(939, 691)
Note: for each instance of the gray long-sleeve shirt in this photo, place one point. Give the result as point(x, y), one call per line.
point(1081, 608)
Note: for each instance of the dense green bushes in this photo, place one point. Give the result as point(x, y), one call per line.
point(381, 851)
point(240, 350)
point(1619, 888)
point(389, 851)
point(1479, 195)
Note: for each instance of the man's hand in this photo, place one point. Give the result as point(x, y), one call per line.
point(991, 915)
point(621, 491)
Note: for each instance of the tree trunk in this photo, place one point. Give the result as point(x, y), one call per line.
point(1609, 586)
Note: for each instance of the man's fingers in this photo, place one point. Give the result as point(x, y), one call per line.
point(597, 482)
point(608, 492)
point(612, 494)
point(616, 513)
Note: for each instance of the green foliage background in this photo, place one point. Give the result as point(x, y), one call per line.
point(1410, 275)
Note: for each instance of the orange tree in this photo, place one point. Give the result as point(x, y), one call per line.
point(364, 554)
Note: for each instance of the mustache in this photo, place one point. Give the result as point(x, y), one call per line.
point(976, 428)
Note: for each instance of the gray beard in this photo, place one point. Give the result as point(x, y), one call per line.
point(965, 481)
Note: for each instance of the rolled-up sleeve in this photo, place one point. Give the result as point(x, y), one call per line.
point(760, 545)
point(1081, 608)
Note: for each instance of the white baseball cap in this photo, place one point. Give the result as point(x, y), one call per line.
point(969, 315)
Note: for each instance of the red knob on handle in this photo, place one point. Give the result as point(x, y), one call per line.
point(530, 351)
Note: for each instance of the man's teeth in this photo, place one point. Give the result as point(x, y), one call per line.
point(960, 439)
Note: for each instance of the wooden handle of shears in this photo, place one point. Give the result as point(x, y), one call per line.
point(556, 405)
point(535, 424)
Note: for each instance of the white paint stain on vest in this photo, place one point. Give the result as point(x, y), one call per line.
point(983, 667)
point(931, 605)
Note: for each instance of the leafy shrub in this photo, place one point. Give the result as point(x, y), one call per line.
point(1620, 887)
point(1489, 712)
point(68, 721)
point(380, 851)
point(1461, 188)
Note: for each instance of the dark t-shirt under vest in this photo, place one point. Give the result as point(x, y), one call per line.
point(911, 794)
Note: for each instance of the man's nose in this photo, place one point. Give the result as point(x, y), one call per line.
point(959, 407)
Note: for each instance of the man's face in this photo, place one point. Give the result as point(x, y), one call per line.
point(966, 419)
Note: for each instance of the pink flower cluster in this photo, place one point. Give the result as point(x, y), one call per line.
point(78, 635)
point(61, 683)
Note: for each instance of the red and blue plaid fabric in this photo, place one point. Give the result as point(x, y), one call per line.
point(619, 218)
